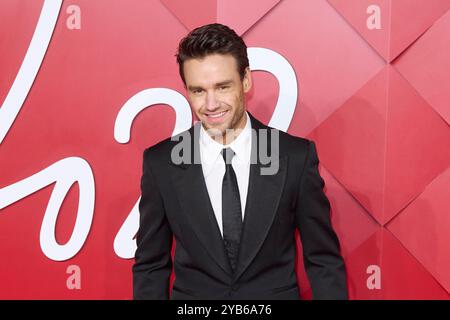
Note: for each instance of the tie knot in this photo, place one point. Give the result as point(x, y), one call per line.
point(227, 154)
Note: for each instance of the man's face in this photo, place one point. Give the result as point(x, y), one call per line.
point(216, 92)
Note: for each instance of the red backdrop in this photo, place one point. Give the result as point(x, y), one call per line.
point(368, 81)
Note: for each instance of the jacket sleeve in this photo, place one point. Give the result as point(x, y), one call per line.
point(323, 262)
point(153, 260)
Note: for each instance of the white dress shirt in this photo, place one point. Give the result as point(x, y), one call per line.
point(213, 167)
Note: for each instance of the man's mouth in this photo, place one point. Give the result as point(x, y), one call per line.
point(216, 117)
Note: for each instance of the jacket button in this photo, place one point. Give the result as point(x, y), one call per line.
point(234, 287)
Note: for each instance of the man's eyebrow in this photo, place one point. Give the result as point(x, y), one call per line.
point(224, 83)
point(219, 84)
point(192, 88)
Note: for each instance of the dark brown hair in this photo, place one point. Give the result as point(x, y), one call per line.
point(209, 39)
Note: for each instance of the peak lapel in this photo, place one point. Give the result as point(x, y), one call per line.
point(191, 191)
point(263, 197)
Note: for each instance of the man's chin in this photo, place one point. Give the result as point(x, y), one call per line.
point(214, 131)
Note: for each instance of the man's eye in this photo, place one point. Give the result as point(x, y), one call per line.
point(224, 87)
point(197, 91)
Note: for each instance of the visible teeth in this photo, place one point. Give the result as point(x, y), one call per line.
point(216, 115)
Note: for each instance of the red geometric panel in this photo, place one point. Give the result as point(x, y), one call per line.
point(346, 213)
point(357, 264)
point(402, 21)
point(426, 65)
point(418, 145)
point(355, 12)
point(380, 142)
point(410, 19)
point(402, 276)
point(352, 144)
point(424, 228)
point(330, 59)
point(240, 15)
point(192, 18)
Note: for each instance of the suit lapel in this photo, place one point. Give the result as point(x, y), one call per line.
point(263, 196)
point(192, 193)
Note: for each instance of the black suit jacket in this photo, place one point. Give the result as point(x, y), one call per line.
point(175, 203)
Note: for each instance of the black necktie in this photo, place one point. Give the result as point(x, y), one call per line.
point(231, 210)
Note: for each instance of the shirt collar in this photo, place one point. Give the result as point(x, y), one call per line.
point(211, 149)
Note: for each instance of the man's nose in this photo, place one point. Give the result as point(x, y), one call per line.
point(211, 101)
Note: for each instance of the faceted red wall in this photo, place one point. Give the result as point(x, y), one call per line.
point(368, 81)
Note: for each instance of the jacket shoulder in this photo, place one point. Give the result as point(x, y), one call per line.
point(161, 151)
point(290, 144)
point(294, 141)
point(287, 142)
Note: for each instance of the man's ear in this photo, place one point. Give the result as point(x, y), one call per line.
point(247, 81)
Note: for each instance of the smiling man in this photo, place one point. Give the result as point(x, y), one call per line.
point(234, 226)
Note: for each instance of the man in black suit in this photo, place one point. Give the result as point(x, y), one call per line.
point(232, 212)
